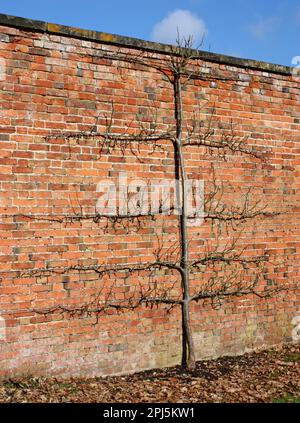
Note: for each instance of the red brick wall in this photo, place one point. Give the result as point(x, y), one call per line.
point(52, 84)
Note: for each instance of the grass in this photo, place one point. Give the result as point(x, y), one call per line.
point(292, 358)
point(287, 399)
point(292, 399)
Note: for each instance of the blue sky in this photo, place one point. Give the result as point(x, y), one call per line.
point(266, 30)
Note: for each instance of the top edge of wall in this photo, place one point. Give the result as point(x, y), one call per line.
point(129, 42)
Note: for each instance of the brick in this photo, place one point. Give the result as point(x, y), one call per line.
point(56, 83)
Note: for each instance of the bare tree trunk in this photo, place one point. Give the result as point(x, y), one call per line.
point(188, 350)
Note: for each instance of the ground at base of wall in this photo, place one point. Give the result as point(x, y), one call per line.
point(266, 376)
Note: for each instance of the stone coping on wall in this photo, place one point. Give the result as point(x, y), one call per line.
point(129, 42)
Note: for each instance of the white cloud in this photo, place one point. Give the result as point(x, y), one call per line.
point(182, 21)
point(262, 28)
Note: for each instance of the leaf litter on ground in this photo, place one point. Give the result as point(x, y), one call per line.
point(266, 376)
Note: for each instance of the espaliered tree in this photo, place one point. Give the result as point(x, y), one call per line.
point(230, 272)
